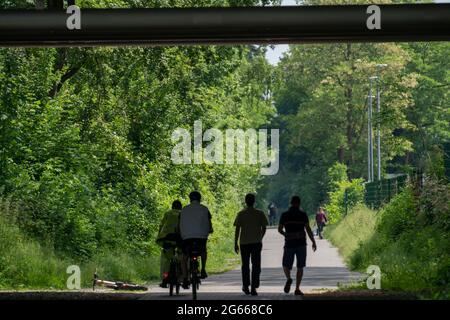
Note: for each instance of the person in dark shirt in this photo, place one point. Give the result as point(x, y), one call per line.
point(321, 220)
point(294, 225)
point(272, 213)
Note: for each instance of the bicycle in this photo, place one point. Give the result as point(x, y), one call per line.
point(174, 272)
point(194, 253)
point(172, 276)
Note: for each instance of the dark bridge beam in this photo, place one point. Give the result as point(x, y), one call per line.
point(419, 22)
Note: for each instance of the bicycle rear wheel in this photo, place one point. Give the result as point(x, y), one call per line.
point(194, 286)
point(194, 279)
point(172, 278)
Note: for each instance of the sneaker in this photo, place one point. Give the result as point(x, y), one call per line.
point(298, 292)
point(254, 293)
point(245, 290)
point(163, 284)
point(203, 274)
point(287, 286)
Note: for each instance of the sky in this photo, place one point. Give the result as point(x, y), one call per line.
point(274, 55)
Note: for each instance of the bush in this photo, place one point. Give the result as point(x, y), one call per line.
point(26, 264)
point(399, 216)
point(411, 251)
point(347, 194)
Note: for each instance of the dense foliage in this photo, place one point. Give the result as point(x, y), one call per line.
point(343, 194)
point(85, 142)
point(408, 239)
point(321, 99)
point(85, 139)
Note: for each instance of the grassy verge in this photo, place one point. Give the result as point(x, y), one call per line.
point(352, 231)
point(412, 253)
point(25, 264)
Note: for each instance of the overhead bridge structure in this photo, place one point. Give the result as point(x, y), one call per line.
point(244, 25)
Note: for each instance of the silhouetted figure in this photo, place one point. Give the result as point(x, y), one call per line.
point(321, 220)
point(272, 213)
point(169, 239)
point(251, 226)
point(293, 224)
point(195, 227)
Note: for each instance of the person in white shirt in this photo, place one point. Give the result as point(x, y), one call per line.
point(195, 227)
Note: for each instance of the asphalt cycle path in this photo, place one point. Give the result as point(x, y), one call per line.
point(324, 271)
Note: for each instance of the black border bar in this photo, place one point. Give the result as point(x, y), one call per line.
point(245, 25)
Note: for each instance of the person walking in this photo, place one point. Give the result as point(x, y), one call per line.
point(272, 213)
point(250, 226)
point(294, 225)
point(321, 220)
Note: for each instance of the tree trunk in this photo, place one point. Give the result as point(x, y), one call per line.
point(341, 154)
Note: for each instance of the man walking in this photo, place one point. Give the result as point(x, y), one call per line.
point(293, 224)
point(250, 226)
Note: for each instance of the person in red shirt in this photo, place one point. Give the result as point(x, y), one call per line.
point(321, 220)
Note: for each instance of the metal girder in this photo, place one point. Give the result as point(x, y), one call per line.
point(246, 25)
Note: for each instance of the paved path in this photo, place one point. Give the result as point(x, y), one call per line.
point(324, 270)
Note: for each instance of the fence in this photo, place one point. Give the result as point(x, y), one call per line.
point(382, 191)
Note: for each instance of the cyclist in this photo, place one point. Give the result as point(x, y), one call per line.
point(195, 227)
point(169, 239)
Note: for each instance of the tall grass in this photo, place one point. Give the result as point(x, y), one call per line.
point(27, 264)
point(24, 263)
point(352, 231)
point(413, 255)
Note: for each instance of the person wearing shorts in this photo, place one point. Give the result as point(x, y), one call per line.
point(293, 225)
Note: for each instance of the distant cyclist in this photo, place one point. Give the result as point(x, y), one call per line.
point(195, 227)
point(169, 238)
point(321, 220)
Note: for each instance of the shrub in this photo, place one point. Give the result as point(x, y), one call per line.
point(407, 239)
point(347, 194)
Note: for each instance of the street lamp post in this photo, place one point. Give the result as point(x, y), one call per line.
point(369, 133)
point(379, 67)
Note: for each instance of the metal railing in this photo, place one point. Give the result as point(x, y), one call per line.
point(379, 192)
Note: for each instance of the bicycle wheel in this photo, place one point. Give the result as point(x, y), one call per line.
point(194, 279)
point(172, 278)
point(194, 286)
